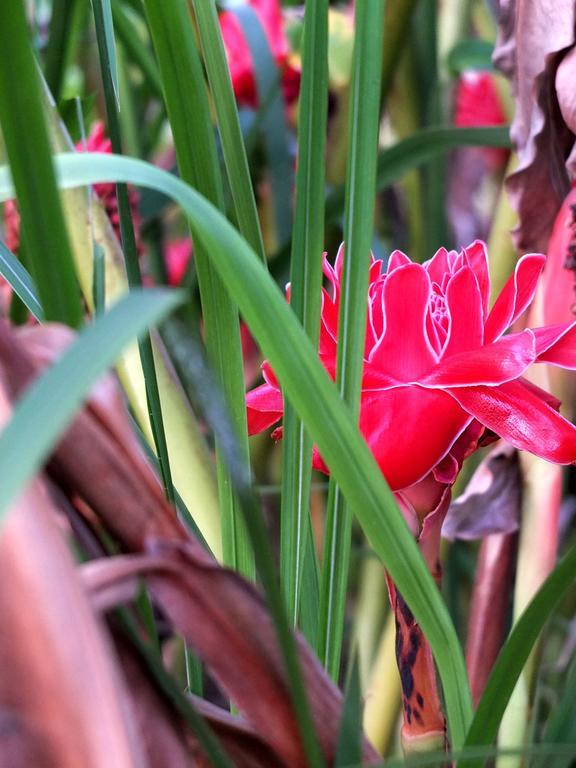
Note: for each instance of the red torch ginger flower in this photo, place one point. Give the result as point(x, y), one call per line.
point(239, 57)
point(478, 104)
point(440, 374)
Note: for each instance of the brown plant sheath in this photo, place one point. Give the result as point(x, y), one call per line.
point(223, 617)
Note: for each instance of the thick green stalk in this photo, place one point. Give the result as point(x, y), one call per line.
point(26, 138)
point(189, 115)
point(129, 245)
point(305, 292)
point(358, 225)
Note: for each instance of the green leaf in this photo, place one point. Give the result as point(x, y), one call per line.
point(470, 54)
point(50, 403)
point(189, 115)
point(305, 299)
point(104, 8)
point(418, 149)
point(20, 281)
point(364, 119)
point(136, 48)
point(271, 119)
point(109, 73)
point(349, 746)
point(315, 398)
point(228, 123)
point(516, 651)
point(24, 129)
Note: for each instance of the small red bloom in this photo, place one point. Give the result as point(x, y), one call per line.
point(478, 104)
point(239, 57)
point(177, 256)
point(440, 375)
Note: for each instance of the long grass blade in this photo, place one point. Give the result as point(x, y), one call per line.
point(109, 73)
point(20, 281)
point(189, 115)
point(26, 138)
point(228, 123)
point(271, 120)
point(50, 403)
point(135, 48)
point(516, 651)
point(358, 225)
point(418, 149)
point(316, 399)
point(305, 296)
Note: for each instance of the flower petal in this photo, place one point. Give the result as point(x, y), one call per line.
point(428, 421)
point(464, 304)
point(515, 296)
point(504, 360)
point(477, 257)
point(264, 407)
point(556, 344)
point(397, 259)
point(520, 416)
point(404, 351)
point(438, 266)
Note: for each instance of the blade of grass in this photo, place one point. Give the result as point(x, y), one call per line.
point(305, 297)
point(191, 462)
point(516, 651)
point(189, 115)
point(417, 150)
point(20, 281)
point(228, 123)
point(136, 48)
point(109, 74)
point(272, 120)
point(26, 138)
point(57, 48)
point(358, 227)
point(50, 403)
point(349, 747)
point(316, 399)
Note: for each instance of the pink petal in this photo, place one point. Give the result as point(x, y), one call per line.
point(464, 303)
point(477, 257)
point(438, 266)
point(263, 408)
point(269, 375)
point(515, 296)
point(556, 344)
point(397, 259)
point(518, 415)
point(409, 430)
point(404, 351)
point(494, 364)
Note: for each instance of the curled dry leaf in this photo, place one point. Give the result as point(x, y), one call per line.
point(222, 616)
point(62, 698)
point(535, 49)
point(490, 607)
point(491, 501)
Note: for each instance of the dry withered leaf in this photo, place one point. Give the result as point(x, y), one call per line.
point(226, 621)
point(489, 608)
point(491, 502)
point(535, 38)
point(62, 698)
point(222, 616)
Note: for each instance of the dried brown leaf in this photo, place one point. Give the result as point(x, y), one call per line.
point(534, 38)
point(226, 621)
point(491, 502)
point(62, 699)
point(222, 616)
